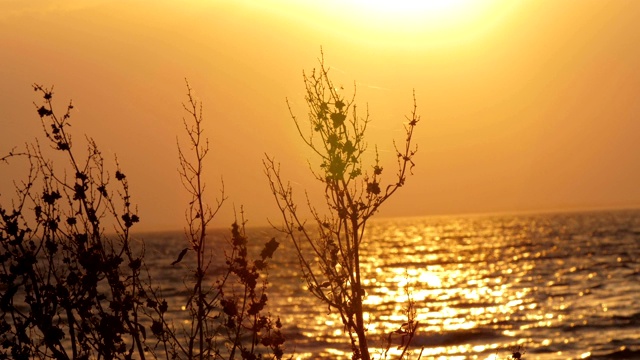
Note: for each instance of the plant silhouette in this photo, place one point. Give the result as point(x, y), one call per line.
point(225, 312)
point(69, 291)
point(64, 279)
point(329, 252)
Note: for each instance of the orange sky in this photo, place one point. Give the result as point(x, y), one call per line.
point(526, 105)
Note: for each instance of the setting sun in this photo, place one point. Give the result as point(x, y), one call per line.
point(403, 23)
point(440, 11)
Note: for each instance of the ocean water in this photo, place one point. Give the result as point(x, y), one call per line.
point(559, 286)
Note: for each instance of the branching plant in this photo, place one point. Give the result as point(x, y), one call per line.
point(198, 216)
point(329, 252)
point(227, 317)
point(69, 290)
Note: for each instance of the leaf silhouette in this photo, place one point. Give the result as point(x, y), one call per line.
point(182, 253)
point(269, 248)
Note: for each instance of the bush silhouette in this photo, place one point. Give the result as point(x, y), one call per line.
point(329, 252)
point(72, 292)
point(220, 315)
point(66, 281)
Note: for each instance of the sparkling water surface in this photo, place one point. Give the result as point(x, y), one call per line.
point(561, 286)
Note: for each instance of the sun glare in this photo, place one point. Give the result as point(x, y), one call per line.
point(418, 14)
point(415, 7)
point(415, 24)
point(410, 21)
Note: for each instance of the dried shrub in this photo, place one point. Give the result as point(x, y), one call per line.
point(69, 290)
point(228, 317)
point(329, 250)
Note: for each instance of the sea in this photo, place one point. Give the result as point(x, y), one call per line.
point(549, 286)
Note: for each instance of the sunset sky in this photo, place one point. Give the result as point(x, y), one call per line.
point(525, 105)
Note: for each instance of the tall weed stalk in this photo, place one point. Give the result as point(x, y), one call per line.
point(227, 313)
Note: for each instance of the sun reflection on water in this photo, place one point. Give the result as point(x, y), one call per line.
point(480, 286)
point(456, 288)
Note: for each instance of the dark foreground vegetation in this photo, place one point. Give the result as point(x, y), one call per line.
point(70, 291)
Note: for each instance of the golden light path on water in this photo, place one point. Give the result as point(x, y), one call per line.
point(454, 287)
point(482, 287)
point(449, 295)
